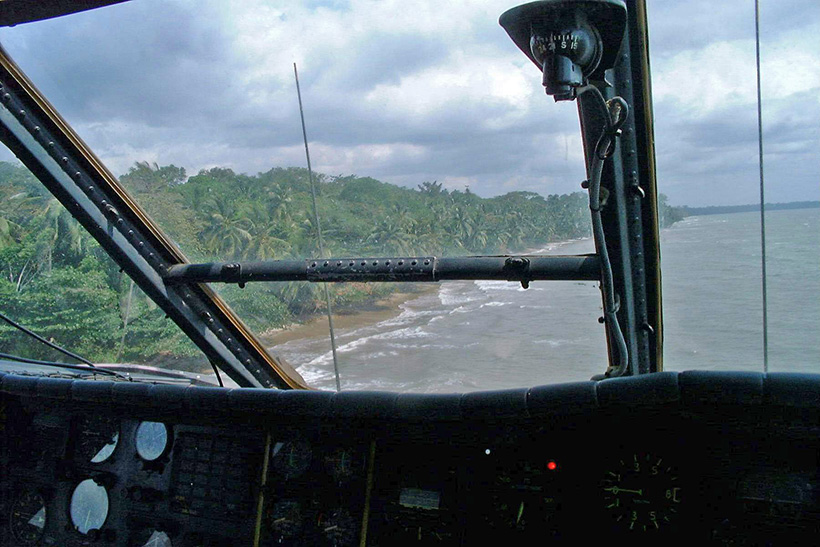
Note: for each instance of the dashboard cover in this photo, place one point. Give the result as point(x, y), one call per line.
point(718, 458)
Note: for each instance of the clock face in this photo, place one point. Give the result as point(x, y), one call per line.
point(97, 439)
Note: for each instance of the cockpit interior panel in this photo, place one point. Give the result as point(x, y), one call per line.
point(671, 458)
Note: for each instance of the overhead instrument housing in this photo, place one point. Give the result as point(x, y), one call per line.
point(570, 41)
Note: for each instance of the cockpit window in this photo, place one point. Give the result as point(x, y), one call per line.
point(707, 153)
point(429, 135)
point(58, 282)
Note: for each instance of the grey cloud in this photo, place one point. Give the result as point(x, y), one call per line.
point(381, 58)
point(676, 26)
point(167, 86)
point(715, 160)
point(135, 62)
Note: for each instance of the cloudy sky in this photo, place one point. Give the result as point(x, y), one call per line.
point(411, 91)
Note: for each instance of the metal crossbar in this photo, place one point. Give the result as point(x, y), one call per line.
point(410, 269)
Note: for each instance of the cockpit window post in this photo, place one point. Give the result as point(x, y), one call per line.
point(596, 51)
point(633, 221)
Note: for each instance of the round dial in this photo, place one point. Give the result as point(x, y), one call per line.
point(151, 440)
point(340, 529)
point(97, 438)
point(518, 511)
point(158, 539)
point(28, 517)
point(641, 493)
point(343, 464)
point(285, 520)
point(89, 506)
point(292, 458)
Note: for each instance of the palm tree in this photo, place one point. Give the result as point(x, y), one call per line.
point(518, 226)
point(390, 237)
point(280, 203)
point(308, 243)
point(477, 236)
point(427, 237)
point(461, 226)
point(264, 244)
point(227, 232)
point(63, 231)
point(11, 208)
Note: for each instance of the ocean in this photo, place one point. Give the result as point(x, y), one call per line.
point(475, 335)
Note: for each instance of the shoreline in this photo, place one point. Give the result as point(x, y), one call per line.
point(369, 314)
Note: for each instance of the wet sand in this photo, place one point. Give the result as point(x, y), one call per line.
point(367, 314)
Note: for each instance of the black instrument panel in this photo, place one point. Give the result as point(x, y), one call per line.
point(383, 469)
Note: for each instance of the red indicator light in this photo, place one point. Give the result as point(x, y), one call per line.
point(552, 466)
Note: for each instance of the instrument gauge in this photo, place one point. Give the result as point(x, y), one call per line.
point(641, 493)
point(292, 458)
point(97, 438)
point(340, 529)
point(158, 539)
point(513, 513)
point(89, 506)
point(343, 464)
point(286, 521)
point(151, 440)
point(28, 517)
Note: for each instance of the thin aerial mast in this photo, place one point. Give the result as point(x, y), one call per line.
point(762, 195)
point(318, 231)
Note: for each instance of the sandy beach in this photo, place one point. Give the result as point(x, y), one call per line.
point(368, 314)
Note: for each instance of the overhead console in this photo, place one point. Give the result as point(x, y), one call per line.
point(714, 458)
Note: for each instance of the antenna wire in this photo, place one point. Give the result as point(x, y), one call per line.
point(319, 233)
point(762, 194)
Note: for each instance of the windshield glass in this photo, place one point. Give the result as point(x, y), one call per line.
point(58, 282)
point(430, 135)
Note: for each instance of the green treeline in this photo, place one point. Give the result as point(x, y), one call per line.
point(58, 281)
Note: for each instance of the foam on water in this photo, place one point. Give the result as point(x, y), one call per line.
point(493, 334)
point(492, 286)
point(551, 343)
point(455, 294)
point(408, 315)
point(494, 304)
point(315, 376)
point(398, 334)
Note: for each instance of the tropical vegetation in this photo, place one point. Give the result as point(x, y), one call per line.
point(57, 280)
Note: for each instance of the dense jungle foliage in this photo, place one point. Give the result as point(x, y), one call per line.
point(57, 280)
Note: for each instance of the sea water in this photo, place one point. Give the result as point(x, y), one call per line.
point(473, 335)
